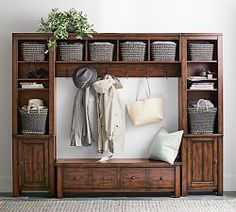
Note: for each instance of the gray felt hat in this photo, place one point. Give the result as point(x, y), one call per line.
point(84, 77)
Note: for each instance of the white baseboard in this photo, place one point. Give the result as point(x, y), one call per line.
point(5, 184)
point(230, 183)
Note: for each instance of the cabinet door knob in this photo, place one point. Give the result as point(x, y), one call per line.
point(161, 178)
point(104, 178)
point(133, 178)
point(75, 178)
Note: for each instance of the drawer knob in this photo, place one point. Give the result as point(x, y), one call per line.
point(161, 178)
point(133, 178)
point(75, 178)
point(104, 178)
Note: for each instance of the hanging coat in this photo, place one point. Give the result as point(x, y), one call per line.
point(84, 119)
point(111, 115)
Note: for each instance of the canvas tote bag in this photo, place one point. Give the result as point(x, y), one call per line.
point(146, 110)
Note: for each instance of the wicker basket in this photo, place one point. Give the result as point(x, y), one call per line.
point(32, 51)
point(201, 51)
point(33, 121)
point(202, 119)
point(70, 51)
point(163, 51)
point(101, 51)
point(133, 51)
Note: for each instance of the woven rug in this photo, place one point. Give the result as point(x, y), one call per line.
point(118, 205)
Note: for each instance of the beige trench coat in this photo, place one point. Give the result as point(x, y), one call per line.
point(111, 115)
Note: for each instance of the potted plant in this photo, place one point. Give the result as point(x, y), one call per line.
point(61, 23)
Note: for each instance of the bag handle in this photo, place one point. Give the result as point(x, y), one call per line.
point(147, 89)
point(32, 104)
point(203, 102)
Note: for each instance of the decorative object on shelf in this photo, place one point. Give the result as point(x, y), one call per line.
point(146, 110)
point(165, 145)
point(111, 115)
point(163, 50)
point(33, 51)
point(203, 72)
point(84, 118)
point(133, 51)
point(33, 118)
point(202, 117)
point(31, 85)
point(61, 23)
point(101, 51)
point(201, 51)
point(36, 73)
point(70, 51)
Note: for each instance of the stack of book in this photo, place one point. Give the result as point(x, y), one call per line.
point(31, 85)
point(202, 86)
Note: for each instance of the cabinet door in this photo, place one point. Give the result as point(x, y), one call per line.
point(202, 163)
point(33, 161)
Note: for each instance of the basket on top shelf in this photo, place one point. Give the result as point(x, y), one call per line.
point(33, 119)
point(101, 51)
point(133, 51)
point(70, 51)
point(202, 118)
point(33, 51)
point(163, 51)
point(201, 51)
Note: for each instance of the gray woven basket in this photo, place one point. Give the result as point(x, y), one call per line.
point(101, 51)
point(202, 119)
point(32, 51)
point(201, 51)
point(133, 51)
point(33, 121)
point(70, 51)
point(163, 51)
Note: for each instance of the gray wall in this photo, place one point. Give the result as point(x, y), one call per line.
point(123, 16)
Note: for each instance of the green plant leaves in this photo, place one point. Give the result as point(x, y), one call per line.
point(61, 23)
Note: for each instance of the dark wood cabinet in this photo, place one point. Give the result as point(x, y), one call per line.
point(202, 163)
point(33, 164)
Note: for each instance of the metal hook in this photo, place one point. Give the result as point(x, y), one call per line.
point(167, 75)
point(126, 75)
point(147, 74)
point(67, 74)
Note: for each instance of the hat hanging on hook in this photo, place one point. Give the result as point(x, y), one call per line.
point(84, 77)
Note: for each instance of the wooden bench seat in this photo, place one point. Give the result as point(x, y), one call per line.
point(117, 175)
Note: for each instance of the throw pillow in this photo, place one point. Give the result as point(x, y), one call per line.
point(165, 145)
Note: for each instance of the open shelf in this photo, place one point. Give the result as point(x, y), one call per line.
point(32, 79)
point(32, 89)
point(32, 62)
point(202, 90)
point(118, 62)
point(202, 61)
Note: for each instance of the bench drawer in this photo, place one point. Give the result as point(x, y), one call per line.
point(104, 178)
point(161, 178)
point(74, 178)
point(132, 178)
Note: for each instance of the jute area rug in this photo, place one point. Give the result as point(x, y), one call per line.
point(118, 205)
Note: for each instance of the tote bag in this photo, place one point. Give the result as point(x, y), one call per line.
point(146, 110)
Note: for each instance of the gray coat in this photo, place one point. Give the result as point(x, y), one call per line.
point(84, 119)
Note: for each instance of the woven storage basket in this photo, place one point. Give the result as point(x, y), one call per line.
point(33, 121)
point(201, 51)
point(70, 51)
point(163, 50)
point(101, 51)
point(32, 51)
point(202, 119)
point(133, 51)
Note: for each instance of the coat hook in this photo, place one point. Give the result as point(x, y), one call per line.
point(67, 74)
point(126, 75)
point(167, 74)
point(147, 74)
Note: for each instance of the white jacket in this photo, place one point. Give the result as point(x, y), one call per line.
point(111, 115)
